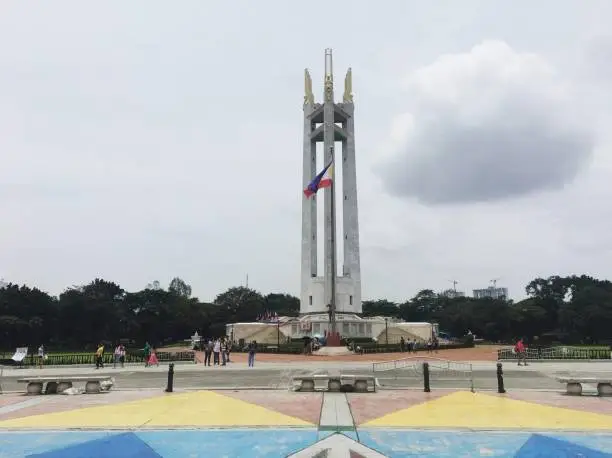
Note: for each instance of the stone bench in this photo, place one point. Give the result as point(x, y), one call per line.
point(360, 383)
point(574, 385)
point(335, 383)
point(59, 384)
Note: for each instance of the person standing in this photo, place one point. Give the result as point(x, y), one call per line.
point(116, 356)
point(147, 353)
point(252, 350)
point(208, 349)
point(402, 344)
point(216, 350)
point(223, 351)
point(122, 355)
point(41, 356)
point(100, 356)
point(228, 347)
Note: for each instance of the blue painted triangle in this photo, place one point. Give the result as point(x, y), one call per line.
point(125, 445)
point(538, 446)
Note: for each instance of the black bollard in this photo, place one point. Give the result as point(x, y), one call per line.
point(426, 386)
point(170, 378)
point(500, 379)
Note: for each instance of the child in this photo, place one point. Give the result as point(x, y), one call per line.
point(153, 358)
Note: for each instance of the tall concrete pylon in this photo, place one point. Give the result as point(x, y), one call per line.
point(330, 123)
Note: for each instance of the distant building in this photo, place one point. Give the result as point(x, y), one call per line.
point(491, 292)
point(452, 294)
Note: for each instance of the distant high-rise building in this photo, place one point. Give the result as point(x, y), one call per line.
point(452, 293)
point(492, 292)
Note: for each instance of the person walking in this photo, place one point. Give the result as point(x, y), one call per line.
point(521, 352)
point(153, 361)
point(252, 350)
point(147, 353)
point(100, 356)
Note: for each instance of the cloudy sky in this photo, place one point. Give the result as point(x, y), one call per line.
point(142, 140)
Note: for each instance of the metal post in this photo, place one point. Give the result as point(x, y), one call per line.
point(170, 385)
point(387, 330)
point(277, 335)
point(426, 386)
point(500, 379)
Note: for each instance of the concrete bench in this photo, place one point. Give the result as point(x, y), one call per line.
point(360, 383)
point(307, 382)
point(335, 383)
point(59, 384)
point(574, 385)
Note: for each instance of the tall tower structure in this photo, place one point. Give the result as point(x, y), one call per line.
point(331, 124)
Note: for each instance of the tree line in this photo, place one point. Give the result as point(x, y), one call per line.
point(571, 309)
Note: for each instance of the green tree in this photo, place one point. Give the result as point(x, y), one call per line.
point(380, 307)
point(282, 304)
point(179, 287)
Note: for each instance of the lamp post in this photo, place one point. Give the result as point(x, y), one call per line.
point(277, 335)
point(387, 330)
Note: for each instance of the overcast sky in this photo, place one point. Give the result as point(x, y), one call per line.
point(144, 140)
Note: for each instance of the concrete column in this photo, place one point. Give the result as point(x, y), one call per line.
point(328, 144)
point(352, 262)
point(309, 213)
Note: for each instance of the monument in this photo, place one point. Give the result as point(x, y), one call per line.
point(330, 303)
point(330, 123)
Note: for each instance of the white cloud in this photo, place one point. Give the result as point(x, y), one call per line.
point(486, 125)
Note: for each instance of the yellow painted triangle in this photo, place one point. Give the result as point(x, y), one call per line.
point(481, 411)
point(201, 408)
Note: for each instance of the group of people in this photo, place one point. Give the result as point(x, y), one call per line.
point(217, 352)
point(119, 353)
point(432, 345)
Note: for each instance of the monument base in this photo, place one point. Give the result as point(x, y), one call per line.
point(333, 339)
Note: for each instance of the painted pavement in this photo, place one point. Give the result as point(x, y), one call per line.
point(254, 424)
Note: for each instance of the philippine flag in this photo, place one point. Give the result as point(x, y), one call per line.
point(322, 180)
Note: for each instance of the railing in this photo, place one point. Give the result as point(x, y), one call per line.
point(439, 369)
point(557, 353)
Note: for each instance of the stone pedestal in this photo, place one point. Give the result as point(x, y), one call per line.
point(361, 386)
point(51, 388)
point(604, 389)
point(574, 389)
point(92, 387)
point(35, 388)
point(334, 385)
point(62, 386)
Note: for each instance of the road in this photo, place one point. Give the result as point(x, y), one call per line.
point(266, 375)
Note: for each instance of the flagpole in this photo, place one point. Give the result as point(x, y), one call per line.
point(333, 243)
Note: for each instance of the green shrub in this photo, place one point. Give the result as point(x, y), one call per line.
point(66, 359)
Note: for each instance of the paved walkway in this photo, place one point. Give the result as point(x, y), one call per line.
point(152, 424)
point(457, 375)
